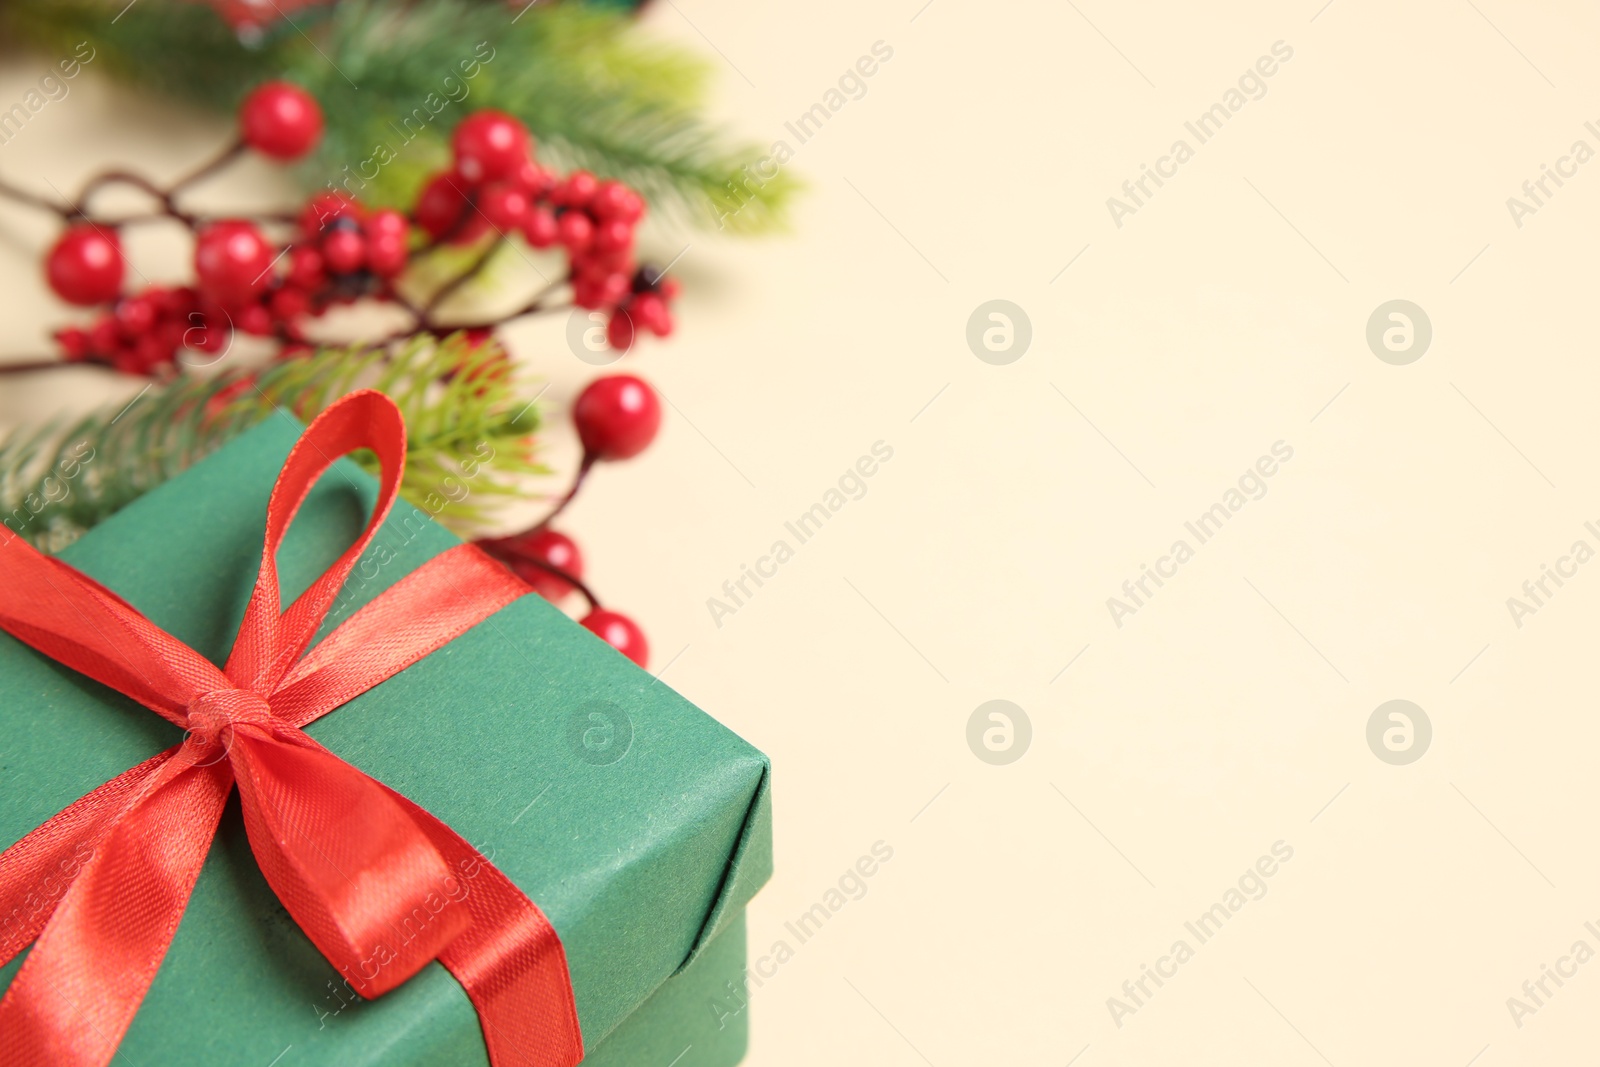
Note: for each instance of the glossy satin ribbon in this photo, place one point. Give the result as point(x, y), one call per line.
point(379, 885)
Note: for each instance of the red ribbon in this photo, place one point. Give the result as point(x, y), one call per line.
point(379, 885)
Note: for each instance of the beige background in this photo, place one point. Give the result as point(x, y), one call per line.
point(1230, 712)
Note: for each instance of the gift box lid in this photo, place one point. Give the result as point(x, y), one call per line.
point(638, 824)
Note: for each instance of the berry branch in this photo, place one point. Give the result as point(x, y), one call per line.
point(617, 417)
point(336, 251)
point(597, 89)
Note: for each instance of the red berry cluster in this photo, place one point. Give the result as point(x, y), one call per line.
point(496, 185)
point(337, 250)
point(617, 417)
point(646, 304)
point(142, 333)
point(341, 251)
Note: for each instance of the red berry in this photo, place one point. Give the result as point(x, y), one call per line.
point(144, 355)
point(387, 223)
point(305, 267)
point(577, 190)
point(387, 254)
point(490, 145)
point(652, 314)
point(85, 265)
point(574, 231)
point(619, 331)
point(206, 334)
point(232, 262)
point(544, 546)
point(613, 200)
point(440, 204)
point(505, 205)
point(539, 228)
point(473, 227)
point(613, 235)
point(586, 293)
point(136, 315)
point(289, 303)
point(388, 243)
point(280, 120)
point(344, 251)
point(620, 632)
point(323, 208)
point(601, 262)
point(255, 319)
point(617, 416)
point(171, 302)
point(599, 288)
point(104, 337)
point(171, 332)
point(75, 343)
point(614, 287)
point(535, 180)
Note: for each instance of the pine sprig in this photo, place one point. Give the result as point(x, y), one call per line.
point(471, 436)
point(594, 91)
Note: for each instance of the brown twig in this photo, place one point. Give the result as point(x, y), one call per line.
point(28, 366)
point(166, 197)
point(549, 568)
point(423, 316)
point(441, 294)
point(584, 465)
point(22, 196)
point(169, 206)
point(205, 170)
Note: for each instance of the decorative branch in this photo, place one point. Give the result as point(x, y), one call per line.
point(341, 250)
point(55, 484)
point(595, 89)
point(471, 442)
point(584, 466)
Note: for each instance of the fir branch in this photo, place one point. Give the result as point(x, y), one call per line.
point(593, 90)
point(471, 436)
point(186, 51)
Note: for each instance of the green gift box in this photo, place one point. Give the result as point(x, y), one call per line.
point(638, 824)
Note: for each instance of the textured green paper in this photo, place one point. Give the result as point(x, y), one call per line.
point(688, 1022)
point(639, 861)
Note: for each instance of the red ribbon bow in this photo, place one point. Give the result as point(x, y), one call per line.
point(351, 859)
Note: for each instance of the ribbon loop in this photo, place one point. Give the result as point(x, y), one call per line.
point(270, 640)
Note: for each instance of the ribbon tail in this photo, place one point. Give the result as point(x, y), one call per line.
point(78, 991)
point(348, 863)
point(37, 871)
point(509, 960)
point(81, 624)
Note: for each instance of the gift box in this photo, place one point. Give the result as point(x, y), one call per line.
point(639, 825)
